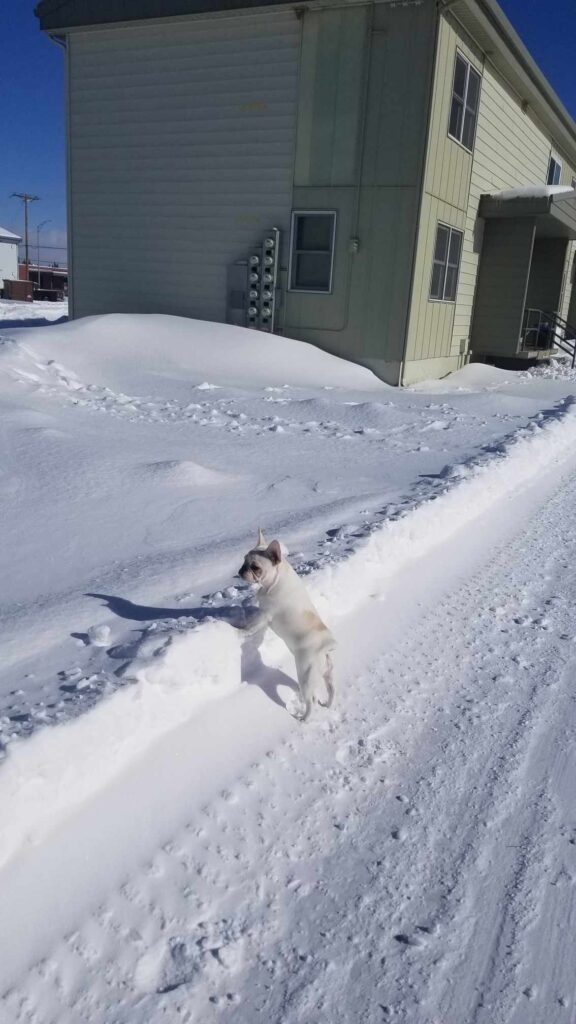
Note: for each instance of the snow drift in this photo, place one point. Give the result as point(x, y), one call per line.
point(128, 352)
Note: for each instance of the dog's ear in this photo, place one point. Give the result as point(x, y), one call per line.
point(261, 542)
point(274, 552)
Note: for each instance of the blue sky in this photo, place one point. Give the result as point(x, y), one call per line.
point(32, 112)
point(549, 32)
point(32, 122)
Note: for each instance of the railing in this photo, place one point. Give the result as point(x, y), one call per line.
point(543, 331)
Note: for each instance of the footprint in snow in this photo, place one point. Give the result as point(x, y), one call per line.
point(362, 753)
point(418, 937)
point(167, 966)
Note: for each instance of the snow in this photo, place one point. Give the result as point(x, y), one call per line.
point(217, 858)
point(37, 313)
point(532, 192)
point(4, 233)
point(473, 377)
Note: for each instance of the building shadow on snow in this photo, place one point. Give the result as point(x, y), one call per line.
point(7, 325)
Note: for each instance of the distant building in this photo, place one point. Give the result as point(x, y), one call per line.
point(8, 256)
point(379, 139)
point(50, 281)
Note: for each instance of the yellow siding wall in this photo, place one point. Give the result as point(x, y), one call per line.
point(510, 150)
point(431, 321)
point(445, 198)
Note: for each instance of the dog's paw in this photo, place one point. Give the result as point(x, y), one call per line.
point(299, 709)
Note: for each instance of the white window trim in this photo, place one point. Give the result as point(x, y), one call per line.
point(450, 228)
point(558, 162)
point(309, 213)
point(469, 65)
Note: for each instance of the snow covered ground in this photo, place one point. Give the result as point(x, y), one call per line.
point(38, 313)
point(175, 846)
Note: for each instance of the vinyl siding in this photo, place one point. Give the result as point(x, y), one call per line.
point(181, 157)
point(445, 198)
point(8, 261)
point(361, 141)
point(510, 150)
point(431, 320)
point(331, 97)
point(448, 163)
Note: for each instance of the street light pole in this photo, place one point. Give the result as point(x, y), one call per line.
point(38, 227)
point(26, 199)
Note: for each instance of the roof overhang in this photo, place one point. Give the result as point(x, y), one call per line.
point(555, 215)
point(59, 16)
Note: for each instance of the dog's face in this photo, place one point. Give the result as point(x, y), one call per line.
point(261, 565)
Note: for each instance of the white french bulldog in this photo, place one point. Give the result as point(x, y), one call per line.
point(284, 605)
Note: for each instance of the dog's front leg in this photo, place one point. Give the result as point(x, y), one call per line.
point(307, 683)
point(257, 624)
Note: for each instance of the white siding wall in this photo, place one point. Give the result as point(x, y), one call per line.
point(182, 155)
point(8, 260)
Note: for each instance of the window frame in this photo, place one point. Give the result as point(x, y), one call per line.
point(451, 231)
point(464, 100)
point(558, 163)
point(294, 253)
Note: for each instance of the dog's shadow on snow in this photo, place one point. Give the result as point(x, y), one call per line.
point(255, 672)
point(253, 669)
point(125, 609)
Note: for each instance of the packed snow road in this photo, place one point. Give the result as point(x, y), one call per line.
point(410, 857)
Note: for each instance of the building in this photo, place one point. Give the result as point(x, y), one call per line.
point(50, 281)
point(391, 181)
point(8, 256)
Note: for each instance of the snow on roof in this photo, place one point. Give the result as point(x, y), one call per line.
point(9, 235)
point(532, 192)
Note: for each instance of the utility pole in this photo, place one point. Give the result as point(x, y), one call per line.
point(38, 229)
point(26, 199)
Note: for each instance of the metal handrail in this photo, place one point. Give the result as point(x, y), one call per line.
point(543, 330)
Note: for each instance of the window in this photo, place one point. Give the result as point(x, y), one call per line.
point(554, 172)
point(447, 252)
point(312, 251)
point(465, 102)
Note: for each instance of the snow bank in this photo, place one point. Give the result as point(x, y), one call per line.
point(29, 312)
point(46, 778)
point(470, 491)
point(470, 378)
point(127, 351)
